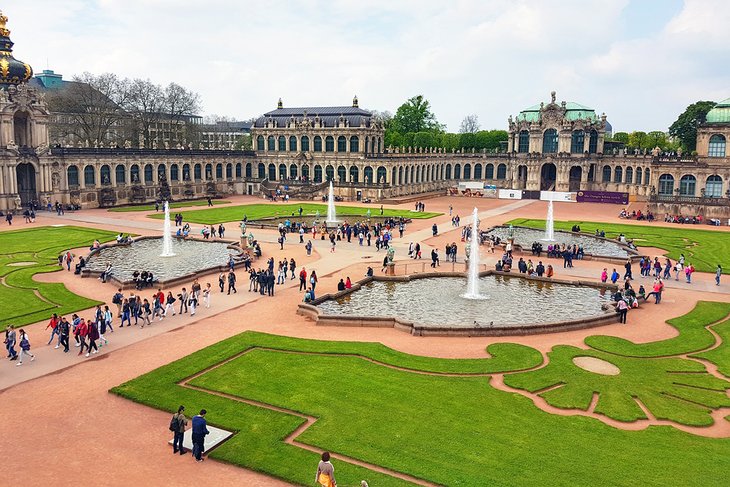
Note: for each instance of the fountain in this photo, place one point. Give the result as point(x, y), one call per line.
point(549, 224)
point(166, 235)
point(472, 283)
point(331, 213)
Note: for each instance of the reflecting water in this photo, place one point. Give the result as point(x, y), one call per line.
point(525, 237)
point(437, 301)
point(190, 256)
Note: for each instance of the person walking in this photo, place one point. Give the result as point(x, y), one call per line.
point(200, 429)
point(718, 273)
point(232, 282)
point(64, 333)
point(303, 279)
point(622, 308)
point(325, 472)
point(183, 300)
point(222, 281)
point(10, 342)
point(118, 299)
point(177, 425)
point(170, 304)
point(53, 325)
point(93, 336)
point(126, 314)
point(206, 295)
point(81, 331)
point(24, 347)
point(292, 268)
point(313, 280)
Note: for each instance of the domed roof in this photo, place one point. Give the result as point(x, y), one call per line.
point(12, 71)
point(720, 113)
point(573, 111)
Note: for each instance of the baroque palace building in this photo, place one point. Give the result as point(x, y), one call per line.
point(551, 146)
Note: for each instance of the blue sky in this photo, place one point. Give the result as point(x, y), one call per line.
point(639, 61)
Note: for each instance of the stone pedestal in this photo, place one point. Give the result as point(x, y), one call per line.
point(390, 269)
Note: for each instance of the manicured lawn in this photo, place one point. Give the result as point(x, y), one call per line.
point(212, 216)
point(176, 204)
point(447, 429)
point(703, 248)
point(39, 247)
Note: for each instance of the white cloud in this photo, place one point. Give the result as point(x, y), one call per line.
point(490, 57)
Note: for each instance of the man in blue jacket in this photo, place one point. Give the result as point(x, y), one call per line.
point(200, 429)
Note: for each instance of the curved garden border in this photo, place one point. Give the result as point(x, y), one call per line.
point(313, 312)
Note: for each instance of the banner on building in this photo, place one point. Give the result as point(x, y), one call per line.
point(612, 197)
point(510, 194)
point(490, 191)
point(562, 196)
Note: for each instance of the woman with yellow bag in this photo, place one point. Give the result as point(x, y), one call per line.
point(326, 472)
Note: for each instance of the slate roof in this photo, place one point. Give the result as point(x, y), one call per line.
point(357, 117)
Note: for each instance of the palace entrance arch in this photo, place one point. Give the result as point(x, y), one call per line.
point(548, 174)
point(26, 183)
point(576, 173)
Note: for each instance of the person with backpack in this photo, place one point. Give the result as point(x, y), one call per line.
point(126, 313)
point(200, 429)
point(24, 347)
point(81, 331)
point(178, 423)
point(232, 282)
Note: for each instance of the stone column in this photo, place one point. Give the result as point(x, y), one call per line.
point(2, 179)
point(12, 180)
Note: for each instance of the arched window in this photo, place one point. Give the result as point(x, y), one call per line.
point(467, 171)
point(209, 171)
point(186, 172)
point(666, 184)
point(317, 173)
point(341, 144)
point(457, 171)
point(161, 172)
point(368, 173)
point(282, 172)
point(577, 142)
point(260, 143)
point(329, 144)
point(229, 171)
point(502, 171)
point(305, 171)
point(329, 172)
point(717, 146)
point(261, 170)
point(713, 187)
point(593, 142)
point(282, 143)
point(367, 146)
point(106, 174)
point(490, 171)
point(618, 174)
point(305, 143)
point(381, 175)
point(646, 176)
point(606, 176)
point(400, 175)
point(292, 144)
point(120, 173)
point(293, 171)
point(477, 171)
point(523, 145)
point(393, 174)
point(271, 143)
point(341, 174)
point(249, 170)
point(550, 141)
point(198, 172)
point(354, 144)
point(418, 174)
point(134, 174)
point(687, 185)
point(354, 174)
point(239, 170)
point(317, 144)
point(272, 172)
point(72, 175)
point(638, 175)
point(219, 171)
point(174, 172)
point(89, 176)
point(629, 175)
point(413, 174)
point(448, 171)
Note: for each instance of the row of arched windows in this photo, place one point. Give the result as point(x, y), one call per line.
point(294, 144)
point(133, 175)
point(688, 186)
point(550, 142)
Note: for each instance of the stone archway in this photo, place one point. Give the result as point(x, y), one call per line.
point(576, 173)
point(26, 183)
point(548, 175)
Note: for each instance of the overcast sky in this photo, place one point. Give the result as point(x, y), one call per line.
point(639, 61)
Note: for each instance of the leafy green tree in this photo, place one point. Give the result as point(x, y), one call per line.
point(415, 115)
point(621, 137)
point(468, 140)
point(424, 139)
point(656, 139)
point(685, 127)
point(637, 140)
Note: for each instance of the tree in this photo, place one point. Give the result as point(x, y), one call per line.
point(637, 140)
point(415, 116)
point(424, 139)
point(656, 138)
point(621, 137)
point(685, 127)
point(179, 105)
point(468, 140)
point(470, 125)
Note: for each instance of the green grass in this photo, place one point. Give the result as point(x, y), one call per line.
point(703, 248)
point(693, 336)
point(212, 216)
point(720, 356)
point(176, 204)
point(19, 304)
point(450, 430)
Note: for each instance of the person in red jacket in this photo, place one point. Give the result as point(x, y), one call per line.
point(53, 325)
point(303, 279)
point(82, 330)
point(93, 335)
